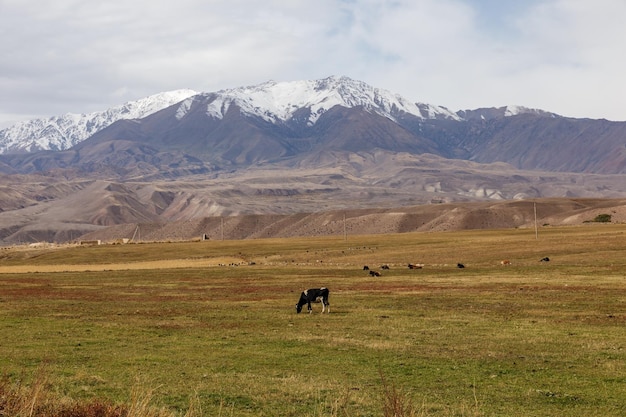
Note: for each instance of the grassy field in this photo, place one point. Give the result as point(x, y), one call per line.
point(211, 326)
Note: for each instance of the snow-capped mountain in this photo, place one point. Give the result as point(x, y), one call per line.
point(62, 132)
point(293, 121)
point(274, 102)
point(279, 101)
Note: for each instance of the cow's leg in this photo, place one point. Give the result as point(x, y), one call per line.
point(310, 308)
point(324, 301)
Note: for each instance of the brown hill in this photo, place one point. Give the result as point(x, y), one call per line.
point(424, 218)
point(60, 206)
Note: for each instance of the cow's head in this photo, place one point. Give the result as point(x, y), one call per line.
point(298, 308)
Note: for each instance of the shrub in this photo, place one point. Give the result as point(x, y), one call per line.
point(602, 218)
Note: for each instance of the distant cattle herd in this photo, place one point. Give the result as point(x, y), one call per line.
point(504, 262)
point(321, 294)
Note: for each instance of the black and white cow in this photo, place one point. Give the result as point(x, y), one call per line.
point(313, 295)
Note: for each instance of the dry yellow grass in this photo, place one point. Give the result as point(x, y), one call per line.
point(117, 266)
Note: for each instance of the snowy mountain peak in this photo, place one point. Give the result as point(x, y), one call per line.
point(278, 101)
point(517, 110)
point(499, 112)
point(275, 102)
point(62, 132)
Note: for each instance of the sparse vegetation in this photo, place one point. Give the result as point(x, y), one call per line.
point(602, 218)
point(208, 333)
point(39, 400)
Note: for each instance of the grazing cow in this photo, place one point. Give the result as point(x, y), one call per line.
point(313, 295)
point(366, 268)
point(546, 259)
point(384, 267)
point(505, 262)
point(375, 273)
point(460, 266)
point(416, 266)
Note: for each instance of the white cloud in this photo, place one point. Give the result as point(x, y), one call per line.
point(74, 56)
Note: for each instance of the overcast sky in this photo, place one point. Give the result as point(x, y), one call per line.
point(73, 56)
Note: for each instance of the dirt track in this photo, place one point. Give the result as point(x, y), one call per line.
point(173, 263)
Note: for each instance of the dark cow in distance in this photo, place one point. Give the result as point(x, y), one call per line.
point(313, 295)
point(375, 273)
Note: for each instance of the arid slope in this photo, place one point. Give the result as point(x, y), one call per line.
point(424, 218)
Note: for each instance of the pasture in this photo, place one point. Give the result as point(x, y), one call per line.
point(211, 326)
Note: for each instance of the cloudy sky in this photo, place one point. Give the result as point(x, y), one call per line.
point(73, 56)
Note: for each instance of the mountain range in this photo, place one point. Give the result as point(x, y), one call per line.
point(289, 147)
point(59, 133)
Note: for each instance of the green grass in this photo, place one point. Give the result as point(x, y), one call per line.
point(531, 338)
